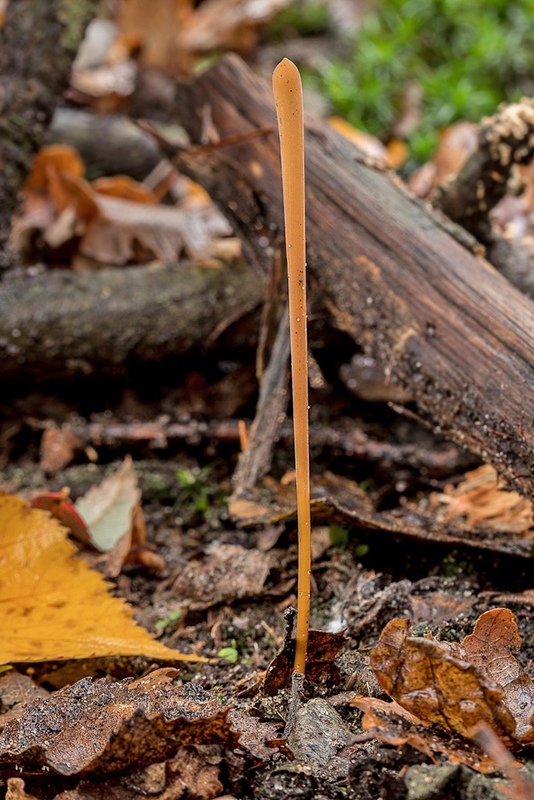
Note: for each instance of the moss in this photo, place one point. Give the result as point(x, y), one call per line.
point(74, 16)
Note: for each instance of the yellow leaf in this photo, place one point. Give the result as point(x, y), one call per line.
point(53, 606)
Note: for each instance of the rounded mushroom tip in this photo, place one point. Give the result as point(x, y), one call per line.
point(285, 66)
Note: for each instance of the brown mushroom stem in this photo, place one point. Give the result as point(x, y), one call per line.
point(287, 88)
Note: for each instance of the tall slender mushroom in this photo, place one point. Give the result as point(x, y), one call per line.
point(287, 87)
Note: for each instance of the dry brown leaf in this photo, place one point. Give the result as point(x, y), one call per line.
point(16, 790)
point(481, 501)
point(16, 691)
point(98, 727)
point(54, 607)
point(392, 724)
point(126, 231)
point(426, 679)
point(459, 686)
point(58, 448)
point(489, 648)
point(323, 647)
point(172, 33)
point(366, 142)
point(455, 146)
point(229, 573)
point(53, 159)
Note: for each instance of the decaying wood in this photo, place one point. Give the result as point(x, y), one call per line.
point(59, 323)
point(37, 45)
point(255, 461)
point(345, 438)
point(443, 322)
point(505, 139)
point(108, 143)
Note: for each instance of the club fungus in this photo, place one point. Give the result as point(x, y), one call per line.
point(287, 88)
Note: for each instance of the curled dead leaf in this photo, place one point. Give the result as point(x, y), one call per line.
point(457, 687)
point(392, 724)
point(323, 647)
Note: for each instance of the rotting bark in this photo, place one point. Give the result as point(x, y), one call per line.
point(37, 45)
point(505, 139)
point(443, 322)
point(255, 461)
point(108, 143)
point(60, 323)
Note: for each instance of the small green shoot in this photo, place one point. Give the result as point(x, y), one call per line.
point(164, 623)
point(339, 536)
point(229, 654)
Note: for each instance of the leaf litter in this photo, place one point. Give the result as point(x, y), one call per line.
point(99, 727)
point(54, 607)
point(108, 518)
point(450, 690)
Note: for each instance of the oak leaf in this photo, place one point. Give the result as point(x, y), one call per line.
point(458, 687)
point(54, 607)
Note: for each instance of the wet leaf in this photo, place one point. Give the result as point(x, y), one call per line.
point(98, 727)
point(53, 606)
point(323, 647)
point(391, 724)
point(457, 687)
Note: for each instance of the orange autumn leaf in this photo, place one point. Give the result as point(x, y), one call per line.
point(124, 187)
point(53, 159)
point(54, 607)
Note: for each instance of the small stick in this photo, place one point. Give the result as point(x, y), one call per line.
point(287, 88)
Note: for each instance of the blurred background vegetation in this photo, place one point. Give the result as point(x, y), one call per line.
point(409, 68)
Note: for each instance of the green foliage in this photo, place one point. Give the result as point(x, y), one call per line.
point(229, 654)
point(303, 18)
point(196, 491)
point(339, 536)
point(161, 624)
point(467, 57)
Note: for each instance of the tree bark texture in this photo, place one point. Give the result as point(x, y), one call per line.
point(59, 323)
point(444, 322)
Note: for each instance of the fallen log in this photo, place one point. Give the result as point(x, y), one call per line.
point(444, 323)
point(61, 323)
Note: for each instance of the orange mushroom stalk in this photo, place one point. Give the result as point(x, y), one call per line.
point(287, 88)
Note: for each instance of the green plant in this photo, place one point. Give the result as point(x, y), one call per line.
point(465, 57)
point(161, 624)
point(229, 653)
point(196, 491)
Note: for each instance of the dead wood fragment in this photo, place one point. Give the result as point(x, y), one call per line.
point(61, 323)
point(444, 323)
point(255, 461)
point(339, 500)
point(505, 139)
